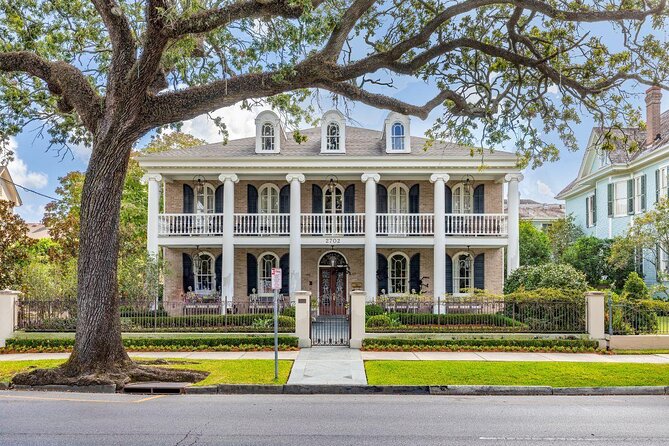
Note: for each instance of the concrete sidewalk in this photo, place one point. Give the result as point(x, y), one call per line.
point(328, 365)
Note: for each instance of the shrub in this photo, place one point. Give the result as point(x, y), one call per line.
point(373, 310)
point(288, 311)
point(547, 309)
point(480, 344)
point(550, 275)
point(380, 320)
point(635, 288)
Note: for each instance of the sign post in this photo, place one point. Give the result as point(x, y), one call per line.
point(276, 286)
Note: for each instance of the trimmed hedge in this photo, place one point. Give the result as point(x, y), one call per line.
point(575, 345)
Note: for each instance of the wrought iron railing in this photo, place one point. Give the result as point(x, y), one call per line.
point(637, 318)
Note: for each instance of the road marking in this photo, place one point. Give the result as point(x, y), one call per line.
point(79, 400)
point(154, 397)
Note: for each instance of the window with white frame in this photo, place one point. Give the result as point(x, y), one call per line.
point(333, 137)
point(463, 273)
point(398, 274)
point(334, 199)
point(267, 137)
point(590, 211)
point(398, 136)
point(638, 194)
point(266, 262)
point(462, 199)
point(269, 199)
point(204, 274)
point(620, 198)
point(604, 159)
point(205, 199)
point(663, 179)
point(398, 199)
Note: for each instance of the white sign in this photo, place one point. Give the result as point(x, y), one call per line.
point(276, 278)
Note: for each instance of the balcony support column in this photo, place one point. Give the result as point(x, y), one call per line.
point(295, 283)
point(370, 180)
point(228, 257)
point(439, 275)
point(512, 249)
point(153, 181)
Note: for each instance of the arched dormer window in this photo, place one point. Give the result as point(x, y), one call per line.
point(267, 137)
point(332, 141)
point(398, 136)
point(398, 139)
point(333, 132)
point(268, 132)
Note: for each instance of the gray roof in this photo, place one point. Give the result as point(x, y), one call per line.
point(533, 210)
point(360, 142)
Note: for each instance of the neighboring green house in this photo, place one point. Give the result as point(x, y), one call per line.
point(613, 187)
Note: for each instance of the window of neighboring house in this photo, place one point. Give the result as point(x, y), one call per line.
point(591, 209)
point(620, 198)
point(397, 136)
point(398, 199)
point(664, 181)
point(269, 199)
point(604, 158)
point(266, 262)
point(267, 137)
point(462, 199)
point(333, 138)
point(398, 274)
point(205, 199)
point(664, 260)
point(334, 199)
point(463, 273)
point(638, 194)
point(205, 279)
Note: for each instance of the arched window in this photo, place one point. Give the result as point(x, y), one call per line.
point(334, 199)
point(269, 199)
point(398, 136)
point(398, 273)
point(462, 199)
point(463, 273)
point(266, 262)
point(267, 137)
point(205, 278)
point(398, 199)
point(205, 199)
point(333, 137)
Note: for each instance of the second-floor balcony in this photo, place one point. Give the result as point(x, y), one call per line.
point(341, 224)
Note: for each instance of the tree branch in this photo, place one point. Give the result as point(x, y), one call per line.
point(340, 33)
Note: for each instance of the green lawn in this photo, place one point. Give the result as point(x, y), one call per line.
point(556, 374)
point(11, 368)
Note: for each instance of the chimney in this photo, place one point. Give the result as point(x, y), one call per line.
point(653, 99)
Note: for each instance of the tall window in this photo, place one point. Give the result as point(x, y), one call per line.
point(267, 135)
point(269, 199)
point(398, 199)
point(620, 197)
point(590, 211)
point(638, 194)
point(463, 273)
point(664, 182)
point(265, 264)
point(604, 158)
point(398, 136)
point(204, 199)
point(332, 141)
point(398, 274)
point(462, 199)
point(334, 199)
point(205, 279)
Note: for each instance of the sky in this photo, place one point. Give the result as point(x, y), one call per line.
point(38, 166)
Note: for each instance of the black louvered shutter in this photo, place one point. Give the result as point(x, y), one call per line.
point(414, 199)
point(479, 272)
point(414, 273)
point(349, 199)
point(251, 199)
point(449, 200)
point(630, 196)
point(381, 273)
point(188, 279)
point(316, 199)
point(218, 270)
point(218, 200)
point(381, 199)
point(609, 193)
point(643, 192)
point(284, 264)
point(251, 273)
point(449, 275)
point(479, 199)
point(284, 200)
point(188, 200)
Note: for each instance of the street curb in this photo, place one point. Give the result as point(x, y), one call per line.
point(491, 390)
point(101, 388)
point(4, 386)
point(640, 390)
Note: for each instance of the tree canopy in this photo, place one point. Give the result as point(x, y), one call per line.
point(534, 246)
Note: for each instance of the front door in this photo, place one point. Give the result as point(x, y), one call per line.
point(332, 291)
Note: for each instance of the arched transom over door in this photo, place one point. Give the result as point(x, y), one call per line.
point(332, 286)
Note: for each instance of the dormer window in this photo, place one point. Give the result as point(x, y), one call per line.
point(333, 133)
point(268, 132)
point(332, 142)
point(267, 142)
point(398, 136)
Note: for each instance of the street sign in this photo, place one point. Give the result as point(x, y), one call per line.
point(276, 278)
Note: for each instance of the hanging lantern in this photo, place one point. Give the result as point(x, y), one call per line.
point(198, 184)
point(197, 260)
point(468, 184)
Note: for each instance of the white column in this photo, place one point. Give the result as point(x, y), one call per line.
point(439, 261)
point(370, 180)
point(153, 181)
point(513, 200)
point(295, 283)
point(228, 258)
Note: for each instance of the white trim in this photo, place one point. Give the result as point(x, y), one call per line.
point(333, 117)
point(259, 266)
point(274, 187)
point(271, 118)
point(329, 251)
point(407, 281)
point(390, 121)
point(455, 268)
point(213, 196)
point(405, 188)
point(462, 198)
point(213, 274)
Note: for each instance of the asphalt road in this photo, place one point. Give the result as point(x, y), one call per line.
point(30, 418)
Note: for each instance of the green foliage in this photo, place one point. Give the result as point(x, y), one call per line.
point(380, 320)
point(373, 310)
point(534, 245)
point(465, 344)
point(14, 246)
point(288, 311)
point(451, 322)
point(549, 275)
point(635, 288)
point(562, 234)
point(548, 310)
point(591, 255)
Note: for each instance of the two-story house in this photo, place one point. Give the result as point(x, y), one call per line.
point(612, 187)
point(349, 208)
point(8, 190)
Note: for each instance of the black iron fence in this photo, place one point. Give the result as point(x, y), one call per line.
point(191, 315)
point(638, 318)
point(416, 313)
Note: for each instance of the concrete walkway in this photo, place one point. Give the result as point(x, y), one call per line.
point(328, 365)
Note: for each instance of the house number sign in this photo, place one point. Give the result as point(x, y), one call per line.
point(332, 241)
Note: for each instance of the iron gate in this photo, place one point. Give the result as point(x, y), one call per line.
point(330, 330)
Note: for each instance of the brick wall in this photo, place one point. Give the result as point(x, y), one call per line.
point(494, 266)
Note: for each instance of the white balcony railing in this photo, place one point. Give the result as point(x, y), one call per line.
point(190, 224)
point(476, 224)
point(262, 224)
point(333, 224)
point(404, 224)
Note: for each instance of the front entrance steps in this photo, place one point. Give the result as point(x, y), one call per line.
point(328, 365)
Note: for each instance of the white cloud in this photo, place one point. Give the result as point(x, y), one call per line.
point(31, 213)
point(240, 124)
point(82, 152)
point(545, 189)
point(20, 172)
point(553, 89)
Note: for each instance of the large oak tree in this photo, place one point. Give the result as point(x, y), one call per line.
point(106, 72)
